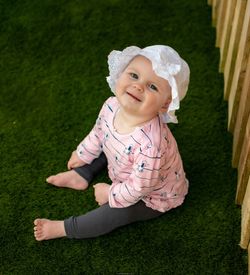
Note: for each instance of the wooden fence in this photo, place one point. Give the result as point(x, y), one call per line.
point(231, 18)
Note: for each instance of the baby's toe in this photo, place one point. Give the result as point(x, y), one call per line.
point(50, 179)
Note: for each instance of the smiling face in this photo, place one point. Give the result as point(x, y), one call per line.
point(140, 92)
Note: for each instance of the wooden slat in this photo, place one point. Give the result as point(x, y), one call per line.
point(245, 221)
point(239, 72)
point(220, 21)
point(215, 7)
point(242, 117)
point(239, 13)
point(244, 165)
point(226, 33)
point(210, 2)
point(249, 259)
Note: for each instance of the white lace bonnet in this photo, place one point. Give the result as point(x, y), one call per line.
point(166, 63)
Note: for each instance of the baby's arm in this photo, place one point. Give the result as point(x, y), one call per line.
point(75, 161)
point(144, 178)
point(158, 183)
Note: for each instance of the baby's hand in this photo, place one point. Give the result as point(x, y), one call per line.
point(101, 193)
point(75, 161)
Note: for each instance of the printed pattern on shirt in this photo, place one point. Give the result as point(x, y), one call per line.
point(144, 165)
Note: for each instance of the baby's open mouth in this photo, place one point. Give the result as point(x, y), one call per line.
point(136, 98)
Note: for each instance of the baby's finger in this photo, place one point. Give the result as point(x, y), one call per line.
point(73, 164)
point(69, 165)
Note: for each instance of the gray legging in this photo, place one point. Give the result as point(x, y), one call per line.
point(104, 219)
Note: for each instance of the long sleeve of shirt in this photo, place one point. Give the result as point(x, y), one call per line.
point(152, 180)
point(140, 183)
point(91, 146)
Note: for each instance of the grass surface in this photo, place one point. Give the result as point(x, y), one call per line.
point(52, 85)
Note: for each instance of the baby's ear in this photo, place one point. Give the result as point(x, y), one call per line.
point(164, 108)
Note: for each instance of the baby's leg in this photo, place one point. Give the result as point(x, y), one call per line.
point(94, 223)
point(105, 219)
point(79, 177)
point(89, 171)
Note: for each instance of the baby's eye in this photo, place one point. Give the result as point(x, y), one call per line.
point(133, 75)
point(153, 87)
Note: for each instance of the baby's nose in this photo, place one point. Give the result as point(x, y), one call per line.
point(138, 87)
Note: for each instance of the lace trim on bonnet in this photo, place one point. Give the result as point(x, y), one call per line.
point(166, 63)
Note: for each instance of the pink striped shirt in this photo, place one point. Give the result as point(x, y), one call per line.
point(142, 165)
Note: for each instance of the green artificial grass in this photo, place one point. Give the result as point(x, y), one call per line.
point(53, 66)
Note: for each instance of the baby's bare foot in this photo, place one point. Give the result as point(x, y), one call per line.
point(46, 229)
point(69, 179)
